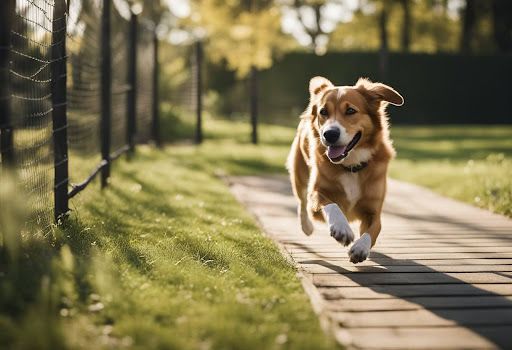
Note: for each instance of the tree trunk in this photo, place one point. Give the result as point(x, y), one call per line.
point(502, 24)
point(253, 87)
point(198, 81)
point(406, 25)
point(318, 19)
point(313, 33)
point(384, 49)
point(468, 26)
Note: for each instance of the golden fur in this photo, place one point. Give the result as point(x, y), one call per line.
point(316, 180)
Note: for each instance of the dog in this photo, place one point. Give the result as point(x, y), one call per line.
point(339, 159)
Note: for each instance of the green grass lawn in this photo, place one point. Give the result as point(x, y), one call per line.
point(164, 258)
point(469, 163)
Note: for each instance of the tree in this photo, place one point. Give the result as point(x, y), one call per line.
point(406, 25)
point(315, 20)
point(314, 30)
point(384, 41)
point(243, 34)
point(468, 27)
point(502, 25)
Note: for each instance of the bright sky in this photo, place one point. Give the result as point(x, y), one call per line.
point(180, 8)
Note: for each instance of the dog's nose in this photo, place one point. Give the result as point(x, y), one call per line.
point(332, 135)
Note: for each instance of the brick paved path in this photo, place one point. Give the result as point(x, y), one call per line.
point(440, 276)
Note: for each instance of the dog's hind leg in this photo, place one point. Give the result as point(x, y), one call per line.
point(299, 177)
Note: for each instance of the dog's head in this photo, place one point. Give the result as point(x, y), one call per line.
point(347, 117)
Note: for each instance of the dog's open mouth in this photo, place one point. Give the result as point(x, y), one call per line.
point(337, 153)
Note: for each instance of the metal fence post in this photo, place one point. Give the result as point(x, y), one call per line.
point(106, 91)
point(253, 91)
point(155, 125)
point(132, 81)
point(7, 14)
point(198, 63)
point(59, 110)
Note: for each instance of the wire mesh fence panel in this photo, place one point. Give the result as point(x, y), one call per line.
point(197, 89)
point(84, 77)
point(178, 93)
point(52, 110)
point(31, 105)
point(187, 96)
point(145, 68)
point(120, 30)
point(183, 94)
point(186, 93)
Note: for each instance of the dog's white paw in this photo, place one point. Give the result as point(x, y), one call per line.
point(338, 224)
point(342, 233)
point(360, 251)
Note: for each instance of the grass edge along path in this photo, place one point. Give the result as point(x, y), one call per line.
point(164, 258)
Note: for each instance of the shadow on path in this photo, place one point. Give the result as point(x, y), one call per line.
point(492, 322)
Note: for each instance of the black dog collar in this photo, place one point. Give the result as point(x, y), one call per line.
point(355, 168)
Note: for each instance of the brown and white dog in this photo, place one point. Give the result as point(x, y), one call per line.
point(339, 159)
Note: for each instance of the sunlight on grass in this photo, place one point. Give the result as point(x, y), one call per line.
point(163, 258)
point(469, 163)
point(193, 261)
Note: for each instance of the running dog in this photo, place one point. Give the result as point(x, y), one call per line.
point(339, 159)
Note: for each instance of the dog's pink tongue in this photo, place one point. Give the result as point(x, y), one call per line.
point(335, 151)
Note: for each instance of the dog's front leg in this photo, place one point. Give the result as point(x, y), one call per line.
point(336, 220)
point(370, 229)
point(338, 224)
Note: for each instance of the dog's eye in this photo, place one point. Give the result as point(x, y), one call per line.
point(324, 112)
point(350, 111)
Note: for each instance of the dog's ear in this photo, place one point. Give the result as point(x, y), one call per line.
point(377, 92)
point(317, 85)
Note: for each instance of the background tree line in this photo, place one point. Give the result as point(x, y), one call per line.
point(255, 48)
point(251, 33)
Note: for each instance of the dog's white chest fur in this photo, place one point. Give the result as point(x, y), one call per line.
point(350, 184)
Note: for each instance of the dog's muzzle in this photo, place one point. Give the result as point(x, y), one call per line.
point(337, 153)
point(331, 136)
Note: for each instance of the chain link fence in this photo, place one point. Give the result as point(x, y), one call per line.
point(77, 90)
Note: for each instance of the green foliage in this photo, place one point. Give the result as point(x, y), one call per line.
point(176, 74)
point(172, 127)
point(432, 29)
point(242, 35)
